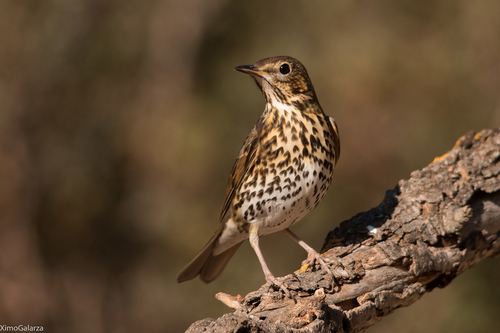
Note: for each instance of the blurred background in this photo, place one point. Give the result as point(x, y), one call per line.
point(120, 121)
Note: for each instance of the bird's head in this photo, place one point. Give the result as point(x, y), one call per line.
point(282, 79)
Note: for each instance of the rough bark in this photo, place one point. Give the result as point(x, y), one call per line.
point(426, 231)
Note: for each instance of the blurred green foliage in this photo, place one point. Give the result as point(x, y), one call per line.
point(120, 122)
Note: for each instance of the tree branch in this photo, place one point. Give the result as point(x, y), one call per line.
point(426, 231)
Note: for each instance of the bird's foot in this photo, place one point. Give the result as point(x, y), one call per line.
point(312, 257)
point(271, 279)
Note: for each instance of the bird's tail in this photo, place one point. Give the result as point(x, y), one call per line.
point(208, 266)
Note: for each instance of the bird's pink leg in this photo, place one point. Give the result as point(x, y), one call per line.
point(312, 255)
point(270, 278)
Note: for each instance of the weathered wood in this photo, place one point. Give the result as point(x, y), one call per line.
point(426, 231)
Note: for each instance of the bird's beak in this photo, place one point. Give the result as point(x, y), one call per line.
point(249, 69)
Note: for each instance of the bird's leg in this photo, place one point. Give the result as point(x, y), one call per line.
point(270, 278)
point(312, 255)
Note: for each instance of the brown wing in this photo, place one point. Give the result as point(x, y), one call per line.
point(244, 161)
point(336, 139)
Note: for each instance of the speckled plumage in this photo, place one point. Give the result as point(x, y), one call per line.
point(282, 172)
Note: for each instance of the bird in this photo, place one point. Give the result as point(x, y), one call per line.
point(282, 171)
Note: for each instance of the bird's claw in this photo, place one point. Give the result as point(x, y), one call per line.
point(272, 280)
point(313, 257)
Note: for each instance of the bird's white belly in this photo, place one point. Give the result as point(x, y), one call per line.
point(296, 194)
point(296, 199)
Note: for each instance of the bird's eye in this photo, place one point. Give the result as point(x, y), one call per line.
point(285, 69)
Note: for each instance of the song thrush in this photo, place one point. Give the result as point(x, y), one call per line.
point(282, 171)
